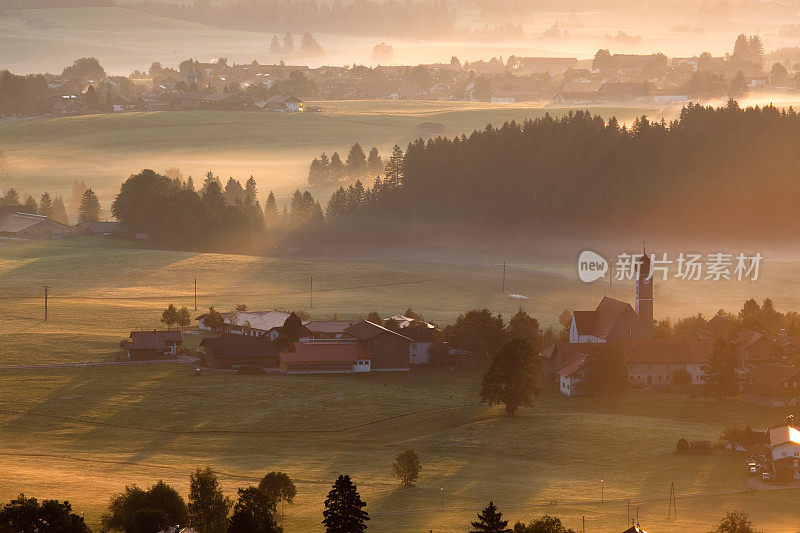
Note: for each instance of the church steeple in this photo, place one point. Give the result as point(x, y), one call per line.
point(644, 291)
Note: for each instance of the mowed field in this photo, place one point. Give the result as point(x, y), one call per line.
point(276, 148)
point(83, 433)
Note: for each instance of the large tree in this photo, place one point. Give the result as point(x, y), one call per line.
point(356, 161)
point(135, 510)
point(254, 512)
point(604, 372)
point(490, 520)
point(169, 317)
point(344, 510)
point(544, 524)
point(735, 522)
point(524, 326)
point(477, 331)
point(89, 210)
point(513, 378)
point(278, 486)
point(28, 515)
point(720, 373)
point(406, 467)
point(46, 207)
point(208, 507)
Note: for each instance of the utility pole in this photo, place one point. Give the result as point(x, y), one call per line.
point(602, 491)
point(629, 512)
point(45, 302)
point(195, 294)
point(312, 293)
point(504, 277)
point(442, 491)
point(583, 523)
point(673, 504)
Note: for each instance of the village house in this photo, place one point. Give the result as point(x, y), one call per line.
point(326, 357)
point(755, 348)
point(772, 385)
point(387, 350)
point(89, 229)
point(785, 443)
point(330, 329)
point(654, 363)
point(284, 102)
point(234, 351)
point(720, 326)
point(252, 323)
point(612, 320)
point(147, 345)
point(18, 225)
point(569, 377)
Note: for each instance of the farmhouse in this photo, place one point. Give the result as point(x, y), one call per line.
point(785, 443)
point(755, 348)
point(145, 345)
point(284, 102)
point(19, 225)
point(772, 386)
point(100, 228)
point(252, 323)
point(330, 329)
point(320, 357)
point(570, 376)
point(654, 363)
point(234, 351)
point(387, 350)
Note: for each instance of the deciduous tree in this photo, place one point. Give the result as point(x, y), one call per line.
point(406, 467)
point(513, 378)
point(208, 507)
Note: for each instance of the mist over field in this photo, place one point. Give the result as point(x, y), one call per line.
point(280, 266)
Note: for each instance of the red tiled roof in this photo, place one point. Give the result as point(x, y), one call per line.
point(573, 366)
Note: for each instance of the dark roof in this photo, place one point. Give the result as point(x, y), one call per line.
point(607, 314)
point(366, 330)
point(418, 334)
point(765, 379)
point(239, 347)
point(325, 352)
point(164, 336)
point(584, 322)
point(666, 351)
point(329, 326)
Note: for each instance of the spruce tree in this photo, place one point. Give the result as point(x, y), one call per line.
point(344, 510)
point(11, 197)
point(60, 211)
point(46, 205)
point(356, 161)
point(374, 162)
point(89, 210)
point(490, 520)
point(30, 206)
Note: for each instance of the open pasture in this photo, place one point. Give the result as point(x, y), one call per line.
point(97, 429)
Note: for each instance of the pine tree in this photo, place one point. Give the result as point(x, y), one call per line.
point(288, 43)
point(356, 161)
point(11, 197)
point(394, 169)
point(490, 520)
point(30, 205)
point(316, 173)
point(60, 211)
point(344, 510)
point(275, 45)
point(234, 194)
point(374, 162)
point(335, 168)
point(89, 210)
point(271, 211)
point(46, 205)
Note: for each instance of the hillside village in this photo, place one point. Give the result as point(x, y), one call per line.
point(607, 79)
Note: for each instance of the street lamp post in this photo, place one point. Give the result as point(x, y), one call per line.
point(442, 491)
point(602, 491)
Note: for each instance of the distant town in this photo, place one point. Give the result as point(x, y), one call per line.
point(606, 79)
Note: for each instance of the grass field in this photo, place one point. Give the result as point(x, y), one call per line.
point(276, 148)
point(98, 428)
point(101, 289)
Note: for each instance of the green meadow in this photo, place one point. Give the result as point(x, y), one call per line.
point(97, 429)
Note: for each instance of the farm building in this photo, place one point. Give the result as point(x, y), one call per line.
point(16, 224)
point(570, 376)
point(612, 320)
point(234, 351)
point(284, 102)
point(387, 350)
point(330, 329)
point(653, 363)
point(145, 345)
point(754, 347)
point(785, 443)
point(772, 386)
point(100, 228)
point(320, 357)
point(252, 323)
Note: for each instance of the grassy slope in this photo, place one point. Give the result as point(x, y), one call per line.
point(102, 150)
point(247, 425)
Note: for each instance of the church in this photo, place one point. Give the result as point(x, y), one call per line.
point(614, 320)
point(651, 362)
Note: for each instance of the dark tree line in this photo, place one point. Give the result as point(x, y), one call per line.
point(326, 171)
point(726, 169)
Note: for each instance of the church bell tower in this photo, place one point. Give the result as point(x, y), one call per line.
point(644, 292)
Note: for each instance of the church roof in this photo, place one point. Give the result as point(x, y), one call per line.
point(601, 322)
